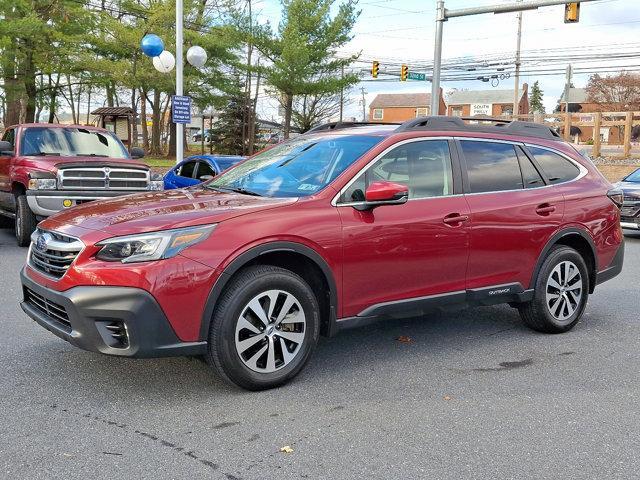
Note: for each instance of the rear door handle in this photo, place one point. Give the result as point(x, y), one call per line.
point(455, 218)
point(545, 209)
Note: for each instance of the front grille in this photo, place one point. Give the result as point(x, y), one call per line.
point(54, 254)
point(103, 178)
point(52, 310)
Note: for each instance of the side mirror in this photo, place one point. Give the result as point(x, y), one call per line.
point(137, 152)
point(205, 178)
point(6, 148)
point(384, 193)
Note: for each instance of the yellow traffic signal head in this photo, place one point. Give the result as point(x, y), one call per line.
point(375, 68)
point(404, 73)
point(572, 12)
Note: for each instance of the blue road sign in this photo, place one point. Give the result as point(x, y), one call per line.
point(180, 109)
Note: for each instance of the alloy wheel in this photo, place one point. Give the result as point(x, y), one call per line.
point(564, 290)
point(270, 331)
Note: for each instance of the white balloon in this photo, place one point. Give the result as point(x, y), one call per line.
point(164, 62)
point(197, 56)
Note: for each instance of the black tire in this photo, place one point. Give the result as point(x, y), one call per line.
point(537, 314)
point(26, 221)
point(250, 282)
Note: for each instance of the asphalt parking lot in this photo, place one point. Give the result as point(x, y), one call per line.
point(472, 394)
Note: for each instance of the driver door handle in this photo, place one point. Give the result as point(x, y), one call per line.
point(455, 219)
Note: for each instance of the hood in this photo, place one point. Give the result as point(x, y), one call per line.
point(52, 163)
point(148, 212)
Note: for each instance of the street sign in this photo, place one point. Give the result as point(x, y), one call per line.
point(417, 76)
point(180, 109)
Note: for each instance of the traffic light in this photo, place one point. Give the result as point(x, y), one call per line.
point(572, 12)
point(404, 73)
point(375, 68)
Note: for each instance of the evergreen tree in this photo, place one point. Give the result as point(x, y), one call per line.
point(535, 99)
point(303, 51)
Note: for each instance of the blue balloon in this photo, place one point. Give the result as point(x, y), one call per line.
point(151, 45)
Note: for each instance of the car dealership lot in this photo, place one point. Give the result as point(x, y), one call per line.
point(470, 394)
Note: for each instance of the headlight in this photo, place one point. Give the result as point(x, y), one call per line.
point(42, 184)
point(155, 185)
point(151, 246)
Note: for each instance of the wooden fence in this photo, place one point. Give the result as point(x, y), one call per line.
point(596, 121)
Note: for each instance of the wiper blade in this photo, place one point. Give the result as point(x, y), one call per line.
point(44, 154)
point(241, 190)
point(93, 155)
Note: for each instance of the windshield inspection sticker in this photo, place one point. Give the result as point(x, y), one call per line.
point(308, 186)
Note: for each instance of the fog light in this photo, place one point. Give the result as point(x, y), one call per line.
point(67, 203)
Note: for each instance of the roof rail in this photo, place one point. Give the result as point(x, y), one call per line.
point(341, 125)
point(498, 125)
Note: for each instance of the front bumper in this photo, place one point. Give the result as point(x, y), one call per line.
point(45, 203)
point(122, 321)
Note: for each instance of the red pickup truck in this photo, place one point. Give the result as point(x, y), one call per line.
point(46, 168)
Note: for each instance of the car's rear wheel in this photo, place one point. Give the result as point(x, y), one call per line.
point(264, 329)
point(561, 292)
point(26, 221)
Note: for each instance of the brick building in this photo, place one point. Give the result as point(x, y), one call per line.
point(400, 107)
point(492, 103)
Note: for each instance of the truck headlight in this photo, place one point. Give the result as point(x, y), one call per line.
point(156, 183)
point(151, 246)
point(42, 184)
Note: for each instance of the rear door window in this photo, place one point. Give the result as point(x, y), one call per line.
point(491, 166)
point(557, 168)
point(205, 169)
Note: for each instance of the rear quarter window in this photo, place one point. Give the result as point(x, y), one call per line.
point(557, 168)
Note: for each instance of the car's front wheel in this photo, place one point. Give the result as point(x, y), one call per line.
point(561, 292)
point(264, 329)
point(26, 221)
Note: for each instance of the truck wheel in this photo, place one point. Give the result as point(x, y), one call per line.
point(25, 221)
point(264, 329)
point(561, 292)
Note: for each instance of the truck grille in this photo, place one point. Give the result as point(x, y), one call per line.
point(52, 253)
point(103, 178)
point(51, 309)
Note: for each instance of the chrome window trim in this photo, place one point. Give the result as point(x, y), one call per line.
point(581, 168)
point(334, 201)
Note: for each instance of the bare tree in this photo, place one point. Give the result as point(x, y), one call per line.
point(615, 92)
point(311, 110)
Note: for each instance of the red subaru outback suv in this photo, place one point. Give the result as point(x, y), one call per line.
point(342, 225)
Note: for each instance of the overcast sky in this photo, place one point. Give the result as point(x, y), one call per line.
point(403, 30)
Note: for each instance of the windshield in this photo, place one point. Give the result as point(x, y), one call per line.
point(297, 168)
point(71, 142)
point(633, 177)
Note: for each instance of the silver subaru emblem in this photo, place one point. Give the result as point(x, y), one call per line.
point(43, 241)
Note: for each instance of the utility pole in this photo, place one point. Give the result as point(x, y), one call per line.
point(179, 89)
point(341, 92)
point(516, 92)
point(567, 118)
point(443, 14)
point(364, 105)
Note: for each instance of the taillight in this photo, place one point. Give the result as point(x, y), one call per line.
point(616, 196)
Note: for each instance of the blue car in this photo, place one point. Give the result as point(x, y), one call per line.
point(198, 168)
